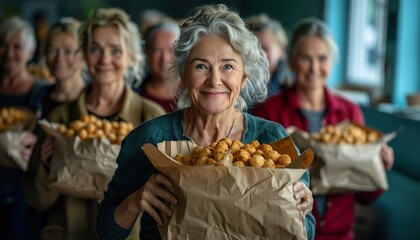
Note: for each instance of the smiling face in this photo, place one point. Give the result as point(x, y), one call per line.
point(107, 56)
point(63, 59)
point(311, 63)
point(13, 54)
point(213, 75)
point(271, 47)
point(159, 52)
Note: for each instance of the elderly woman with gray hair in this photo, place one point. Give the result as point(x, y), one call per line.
point(110, 43)
point(18, 88)
point(159, 39)
point(222, 70)
point(273, 40)
point(309, 105)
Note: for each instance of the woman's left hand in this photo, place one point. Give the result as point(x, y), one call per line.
point(387, 155)
point(304, 198)
point(27, 145)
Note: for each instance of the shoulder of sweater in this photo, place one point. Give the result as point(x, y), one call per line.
point(341, 101)
point(154, 129)
point(60, 113)
point(264, 126)
point(148, 106)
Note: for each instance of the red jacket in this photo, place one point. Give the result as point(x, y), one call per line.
point(338, 220)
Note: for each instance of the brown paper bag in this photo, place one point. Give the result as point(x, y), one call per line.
point(10, 154)
point(344, 167)
point(80, 168)
point(10, 140)
point(231, 202)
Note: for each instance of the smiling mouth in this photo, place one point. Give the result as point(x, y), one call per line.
point(214, 93)
point(105, 70)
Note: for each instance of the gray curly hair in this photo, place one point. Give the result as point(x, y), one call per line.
point(128, 30)
point(218, 20)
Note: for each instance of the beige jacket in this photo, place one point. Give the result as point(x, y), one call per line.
point(69, 217)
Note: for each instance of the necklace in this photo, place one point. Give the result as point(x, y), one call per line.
point(227, 136)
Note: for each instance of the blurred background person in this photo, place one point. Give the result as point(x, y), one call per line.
point(159, 39)
point(65, 63)
point(273, 40)
point(110, 42)
point(18, 88)
point(148, 18)
point(310, 105)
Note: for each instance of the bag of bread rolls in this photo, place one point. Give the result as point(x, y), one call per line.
point(15, 124)
point(80, 167)
point(347, 157)
point(231, 202)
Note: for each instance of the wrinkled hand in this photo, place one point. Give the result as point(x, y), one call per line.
point(156, 195)
point(303, 196)
point(387, 155)
point(47, 150)
point(27, 145)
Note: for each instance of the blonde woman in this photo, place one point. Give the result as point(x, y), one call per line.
point(111, 46)
point(65, 62)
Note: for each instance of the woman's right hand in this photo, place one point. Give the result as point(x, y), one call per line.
point(154, 198)
point(47, 150)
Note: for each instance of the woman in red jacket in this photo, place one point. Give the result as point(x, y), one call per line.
point(309, 105)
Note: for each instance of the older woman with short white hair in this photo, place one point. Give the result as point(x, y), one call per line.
point(222, 69)
point(309, 105)
point(18, 88)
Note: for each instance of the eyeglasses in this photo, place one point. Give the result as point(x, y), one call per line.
point(68, 52)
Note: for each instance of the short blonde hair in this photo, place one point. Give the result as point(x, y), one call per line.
point(117, 18)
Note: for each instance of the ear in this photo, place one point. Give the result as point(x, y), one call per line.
point(243, 82)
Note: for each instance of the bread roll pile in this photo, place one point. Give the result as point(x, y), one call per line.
point(89, 127)
point(350, 134)
point(227, 153)
point(10, 116)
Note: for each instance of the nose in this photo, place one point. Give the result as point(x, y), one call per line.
point(60, 55)
point(314, 65)
point(167, 57)
point(105, 56)
point(214, 78)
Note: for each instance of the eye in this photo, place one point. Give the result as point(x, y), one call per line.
point(52, 52)
point(116, 51)
point(200, 66)
point(17, 46)
point(69, 52)
point(323, 58)
point(304, 58)
point(94, 50)
point(227, 67)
